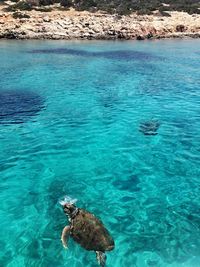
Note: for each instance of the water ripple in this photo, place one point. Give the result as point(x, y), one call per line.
point(79, 135)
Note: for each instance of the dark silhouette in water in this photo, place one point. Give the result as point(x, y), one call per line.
point(86, 230)
point(149, 127)
point(19, 106)
point(130, 183)
point(116, 55)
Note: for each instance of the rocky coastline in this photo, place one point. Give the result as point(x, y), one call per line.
point(70, 24)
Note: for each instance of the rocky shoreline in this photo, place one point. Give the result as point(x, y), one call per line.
point(63, 24)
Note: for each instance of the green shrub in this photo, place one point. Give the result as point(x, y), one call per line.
point(19, 15)
point(144, 12)
point(66, 3)
point(46, 2)
point(21, 5)
point(122, 7)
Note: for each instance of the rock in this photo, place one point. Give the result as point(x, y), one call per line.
point(10, 35)
point(112, 32)
point(181, 28)
point(22, 20)
point(149, 35)
point(46, 19)
point(84, 25)
point(140, 38)
point(40, 20)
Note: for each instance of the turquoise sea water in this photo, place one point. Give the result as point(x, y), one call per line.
point(70, 120)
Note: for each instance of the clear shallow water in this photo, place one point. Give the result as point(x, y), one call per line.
point(74, 130)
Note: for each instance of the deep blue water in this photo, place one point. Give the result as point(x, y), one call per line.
point(115, 125)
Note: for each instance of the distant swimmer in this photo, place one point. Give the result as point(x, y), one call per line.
point(86, 230)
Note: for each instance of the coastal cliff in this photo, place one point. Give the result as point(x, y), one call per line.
point(71, 24)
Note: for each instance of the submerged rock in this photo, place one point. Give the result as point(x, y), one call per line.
point(19, 106)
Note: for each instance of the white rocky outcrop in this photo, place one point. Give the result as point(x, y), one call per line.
point(61, 24)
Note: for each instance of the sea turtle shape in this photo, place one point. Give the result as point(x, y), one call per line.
point(86, 230)
point(149, 127)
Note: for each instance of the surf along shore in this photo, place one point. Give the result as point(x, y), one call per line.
point(71, 24)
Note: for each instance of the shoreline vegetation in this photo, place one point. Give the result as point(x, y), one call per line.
point(23, 20)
